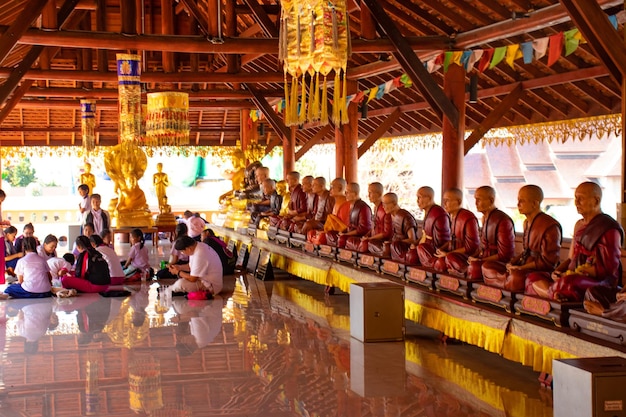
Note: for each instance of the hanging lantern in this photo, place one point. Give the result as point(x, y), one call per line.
point(129, 89)
point(314, 40)
point(167, 121)
point(88, 124)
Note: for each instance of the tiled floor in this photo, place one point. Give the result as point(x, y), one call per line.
point(276, 348)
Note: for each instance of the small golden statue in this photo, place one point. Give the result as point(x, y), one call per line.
point(165, 217)
point(88, 178)
point(161, 182)
point(237, 177)
point(126, 163)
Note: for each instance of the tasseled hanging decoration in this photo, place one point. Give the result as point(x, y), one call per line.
point(314, 38)
point(337, 98)
point(287, 116)
point(343, 103)
point(302, 114)
point(311, 106)
point(324, 105)
point(316, 98)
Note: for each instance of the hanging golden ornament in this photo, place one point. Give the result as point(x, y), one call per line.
point(167, 121)
point(88, 124)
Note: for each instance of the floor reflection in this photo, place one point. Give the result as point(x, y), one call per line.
point(262, 349)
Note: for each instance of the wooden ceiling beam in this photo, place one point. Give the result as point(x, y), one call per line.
point(317, 138)
point(262, 18)
point(112, 93)
point(379, 132)
point(537, 20)
point(267, 9)
point(149, 77)
point(113, 105)
point(493, 118)
point(20, 25)
point(413, 66)
point(199, 44)
point(595, 27)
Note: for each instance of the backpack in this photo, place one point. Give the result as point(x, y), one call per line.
point(97, 269)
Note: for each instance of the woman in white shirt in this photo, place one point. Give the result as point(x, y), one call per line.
point(33, 274)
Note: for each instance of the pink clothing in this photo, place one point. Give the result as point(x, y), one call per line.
point(140, 259)
point(195, 226)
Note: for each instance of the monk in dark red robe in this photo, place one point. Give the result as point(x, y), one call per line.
point(322, 207)
point(541, 245)
point(298, 202)
point(436, 231)
point(404, 232)
point(464, 241)
point(359, 221)
point(497, 236)
point(381, 227)
point(594, 257)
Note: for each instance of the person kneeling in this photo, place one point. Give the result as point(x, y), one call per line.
point(33, 274)
point(204, 271)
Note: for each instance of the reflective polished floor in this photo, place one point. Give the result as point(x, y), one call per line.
point(263, 348)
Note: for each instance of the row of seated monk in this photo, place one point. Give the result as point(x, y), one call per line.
point(452, 242)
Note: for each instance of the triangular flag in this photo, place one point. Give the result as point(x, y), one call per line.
point(439, 59)
point(447, 59)
point(406, 80)
point(253, 115)
point(381, 92)
point(456, 57)
point(571, 40)
point(432, 66)
point(540, 46)
point(527, 52)
point(465, 57)
point(498, 55)
point(396, 82)
point(556, 48)
point(485, 59)
point(474, 58)
point(372, 95)
point(512, 53)
point(613, 20)
point(389, 86)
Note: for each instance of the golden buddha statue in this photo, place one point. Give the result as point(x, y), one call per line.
point(88, 178)
point(125, 164)
point(165, 217)
point(237, 177)
point(160, 181)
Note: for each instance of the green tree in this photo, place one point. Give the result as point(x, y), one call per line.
point(22, 174)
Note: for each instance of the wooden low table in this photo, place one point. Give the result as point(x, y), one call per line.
point(168, 228)
point(153, 230)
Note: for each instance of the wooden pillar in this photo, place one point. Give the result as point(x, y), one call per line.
point(340, 155)
point(453, 136)
point(289, 152)
point(621, 207)
point(351, 138)
point(167, 28)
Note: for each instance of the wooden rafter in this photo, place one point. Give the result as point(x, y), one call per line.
point(493, 118)
point(262, 18)
point(271, 116)
point(380, 131)
point(20, 25)
point(17, 74)
point(413, 66)
point(317, 138)
point(603, 39)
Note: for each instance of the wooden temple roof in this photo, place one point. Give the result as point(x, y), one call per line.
point(225, 54)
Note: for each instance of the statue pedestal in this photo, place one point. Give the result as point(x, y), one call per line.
point(133, 218)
